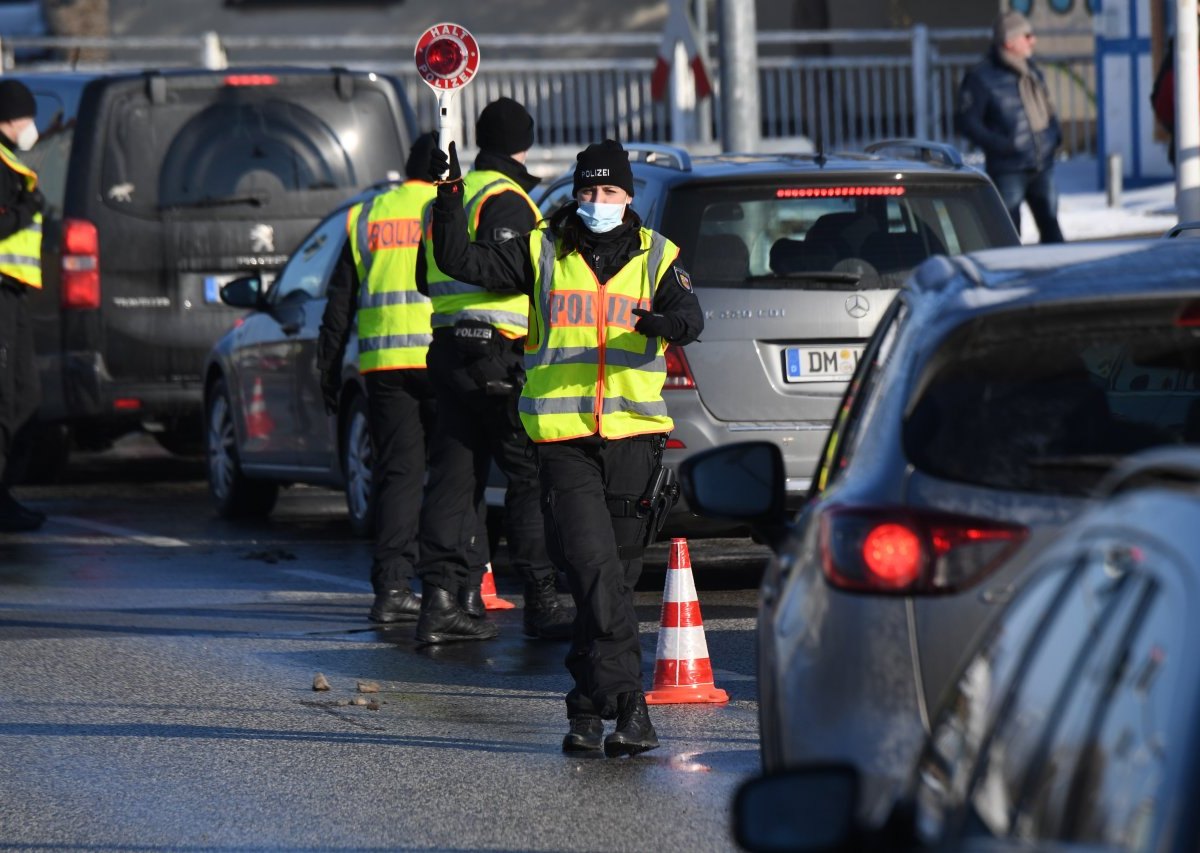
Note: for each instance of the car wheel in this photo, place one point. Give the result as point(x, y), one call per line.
point(236, 495)
point(357, 456)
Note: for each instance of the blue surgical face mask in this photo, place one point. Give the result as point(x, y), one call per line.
point(601, 218)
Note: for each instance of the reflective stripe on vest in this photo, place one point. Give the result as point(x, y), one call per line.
point(586, 370)
point(455, 300)
point(21, 251)
point(393, 318)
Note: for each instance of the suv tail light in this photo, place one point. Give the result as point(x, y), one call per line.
point(679, 374)
point(80, 265)
point(901, 551)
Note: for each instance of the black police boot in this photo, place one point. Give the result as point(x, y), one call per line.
point(470, 599)
point(443, 621)
point(586, 735)
point(634, 732)
point(545, 617)
point(395, 605)
point(15, 518)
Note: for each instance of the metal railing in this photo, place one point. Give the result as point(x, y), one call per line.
point(847, 86)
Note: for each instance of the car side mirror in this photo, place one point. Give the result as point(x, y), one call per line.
point(244, 292)
point(810, 809)
point(739, 482)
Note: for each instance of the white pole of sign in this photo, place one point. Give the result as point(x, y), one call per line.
point(449, 119)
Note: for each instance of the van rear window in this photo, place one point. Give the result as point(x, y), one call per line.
point(291, 149)
point(1049, 406)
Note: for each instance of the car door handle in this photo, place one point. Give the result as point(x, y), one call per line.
point(290, 328)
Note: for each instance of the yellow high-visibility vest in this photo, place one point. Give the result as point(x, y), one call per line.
point(393, 318)
point(457, 300)
point(586, 370)
point(21, 251)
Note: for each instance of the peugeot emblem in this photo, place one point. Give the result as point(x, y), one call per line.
point(262, 238)
point(857, 306)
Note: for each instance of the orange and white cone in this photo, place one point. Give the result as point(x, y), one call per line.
point(259, 424)
point(487, 590)
point(682, 670)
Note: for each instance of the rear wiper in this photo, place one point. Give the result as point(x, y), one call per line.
point(824, 276)
point(220, 201)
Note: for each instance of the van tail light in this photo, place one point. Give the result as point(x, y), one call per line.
point(251, 80)
point(679, 374)
point(80, 265)
point(902, 551)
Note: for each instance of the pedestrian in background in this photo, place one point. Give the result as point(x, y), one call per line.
point(1004, 108)
point(376, 279)
point(20, 269)
point(607, 297)
point(476, 370)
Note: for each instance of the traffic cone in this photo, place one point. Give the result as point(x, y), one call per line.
point(259, 423)
point(682, 670)
point(487, 589)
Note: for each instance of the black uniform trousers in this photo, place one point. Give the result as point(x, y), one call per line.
point(582, 481)
point(400, 410)
point(473, 428)
point(20, 390)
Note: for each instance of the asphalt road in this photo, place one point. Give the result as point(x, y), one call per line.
point(156, 671)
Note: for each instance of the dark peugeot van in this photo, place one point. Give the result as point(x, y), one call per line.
point(160, 187)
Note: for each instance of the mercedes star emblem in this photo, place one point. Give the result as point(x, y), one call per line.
point(857, 306)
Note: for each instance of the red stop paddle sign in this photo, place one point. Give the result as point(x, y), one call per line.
point(447, 57)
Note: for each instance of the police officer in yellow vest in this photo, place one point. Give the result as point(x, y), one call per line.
point(607, 297)
point(375, 280)
point(20, 270)
point(476, 370)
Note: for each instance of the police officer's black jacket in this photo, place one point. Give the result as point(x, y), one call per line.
point(990, 114)
point(508, 266)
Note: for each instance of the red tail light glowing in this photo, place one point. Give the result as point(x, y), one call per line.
point(892, 553)
point(80, 265)
point(675, 444)
point(679, 373)
point(899, 550)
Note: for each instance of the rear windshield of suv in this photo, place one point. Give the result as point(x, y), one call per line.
point(1049, 404)
point(792, 234)
point(270, 146)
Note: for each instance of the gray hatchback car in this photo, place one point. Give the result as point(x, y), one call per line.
point(794, 258)
point(998, 389)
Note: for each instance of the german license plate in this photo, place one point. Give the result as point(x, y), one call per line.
point(820, 364)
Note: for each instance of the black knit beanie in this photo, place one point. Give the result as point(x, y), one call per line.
point(603, 163)
point(504, 127)
point(416, 167)
point(16, 101)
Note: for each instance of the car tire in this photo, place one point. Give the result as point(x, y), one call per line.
point(357, 457)
point(235, 494)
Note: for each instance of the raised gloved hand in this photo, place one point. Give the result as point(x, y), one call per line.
point(653, 325)
point(439, 163)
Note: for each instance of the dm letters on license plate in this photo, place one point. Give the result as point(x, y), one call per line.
point(820, 364)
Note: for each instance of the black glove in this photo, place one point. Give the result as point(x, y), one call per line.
point(32, 199)
point(330, 387)
point(654, 325)
point(439, 163)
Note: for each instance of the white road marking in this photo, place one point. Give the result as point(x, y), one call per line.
point(120, 532)
point(323, 577)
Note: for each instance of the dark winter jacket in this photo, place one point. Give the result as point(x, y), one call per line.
point(990, 114)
